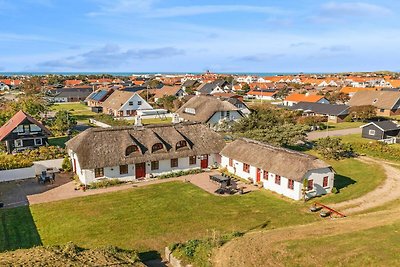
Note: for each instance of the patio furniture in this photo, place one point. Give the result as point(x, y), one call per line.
point(220, 179)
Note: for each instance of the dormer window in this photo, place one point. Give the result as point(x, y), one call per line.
point(131, 149)
point(181, 144)
point(190, 111)
point(156, 147)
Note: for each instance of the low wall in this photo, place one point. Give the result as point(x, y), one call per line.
point(30, 172)
point(99, 123)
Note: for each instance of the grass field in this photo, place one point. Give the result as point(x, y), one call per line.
point(373, 247)
point(58, 141)
point(155, 216)
point(80, 111)
point(17, 229)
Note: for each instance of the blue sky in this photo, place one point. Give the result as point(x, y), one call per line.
point(194, 36)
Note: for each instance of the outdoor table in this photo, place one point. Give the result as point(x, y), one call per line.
point(220, 179)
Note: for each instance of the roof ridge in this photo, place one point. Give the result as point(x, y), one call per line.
point(278, 148)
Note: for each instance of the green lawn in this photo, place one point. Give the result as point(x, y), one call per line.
point(152, 217)
point(58, 141)
point(373, 247)
point(156, 121)
point(17, 229)
point(356, 138)
point(81, 112)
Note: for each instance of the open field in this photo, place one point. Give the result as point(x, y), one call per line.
point(58, 141)
point(81, 112)
point(156, 121)
point(152, 217)
point(343, 126)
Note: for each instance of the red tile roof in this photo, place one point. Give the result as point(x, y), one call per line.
point(16, 120)
point(304, 98)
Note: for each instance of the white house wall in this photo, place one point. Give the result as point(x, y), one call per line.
point(135, 99)
point(296, 193)
point(233, 116)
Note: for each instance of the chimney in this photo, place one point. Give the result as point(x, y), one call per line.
point(138, 120)
point(175, 118)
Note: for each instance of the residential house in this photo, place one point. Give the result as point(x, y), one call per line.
point(189, 84)
point(292, 99)
point(71, 83)
point(210, 110)
point(132, 152)
point(167, 90)
point(4, 87)
point(352, 90)
point(334, 113)
point(96, 98)
point(268, 95)
point(124, 104)
point(23, 132)
point(63, 95)
point(278, 169)
point(387, 103)
point(209, 89)
point(386, 131)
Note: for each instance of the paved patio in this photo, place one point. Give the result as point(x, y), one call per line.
point(27, 192)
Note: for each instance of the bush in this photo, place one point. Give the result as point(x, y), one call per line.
point(334, 148)
point(105, 183)
point(66, 164)
point(378, 149)
point(180, 173)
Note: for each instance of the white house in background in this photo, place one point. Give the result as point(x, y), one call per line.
point(4, 87)
point(278, 169)
point(209, 110)
point(124, 104)
point(133, 152)
point(295, 98)
point(262, 95)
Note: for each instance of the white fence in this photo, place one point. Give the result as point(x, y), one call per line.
point(99, 123)
point(30, 172)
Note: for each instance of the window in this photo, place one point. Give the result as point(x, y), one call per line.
point(192, 160)
point(18, 143)
point(231, 162)
point(246, 167)
point(278, 179)
point(174, 163)
point(371, 132)
point(228, 114)
point(156, 147)
point(310, 185)
point(382, 110)
point(181, 144)
point(19, 129)
point(131, 149)
point(190, 111)
point(130, 103)
point(222, 114)
point(265, 175)
point(290, 184)
point(139, 103)
point(325, 181)
point(98, 172)
point(34, 128)
point(123, 169)
point(38, 141)
point(155, 165)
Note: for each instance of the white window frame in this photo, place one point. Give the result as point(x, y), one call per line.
point(18, 143)
point(371, 132)
point(36, 143)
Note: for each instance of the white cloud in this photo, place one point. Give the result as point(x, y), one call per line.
point(354, 9)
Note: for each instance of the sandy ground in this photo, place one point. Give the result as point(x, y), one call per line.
point(388, 191)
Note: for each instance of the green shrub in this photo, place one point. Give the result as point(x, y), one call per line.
point(66, 164)
point(378, 149)
point(180, 173)
point(105, 183)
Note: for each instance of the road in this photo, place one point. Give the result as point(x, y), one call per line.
point(317, 135)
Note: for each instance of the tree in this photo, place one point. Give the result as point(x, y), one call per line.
point(32, 86)
point(63, 122)
point(283, 93)
point(66, 164)
point(334, 148)
point(154, 83)
point(337, 97)
point(362, 113)
point(167, 102)
point(246, 88)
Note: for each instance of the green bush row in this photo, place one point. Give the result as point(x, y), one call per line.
point(105, 183)
point(27, 157)
point(180, 173)
point(378, 150)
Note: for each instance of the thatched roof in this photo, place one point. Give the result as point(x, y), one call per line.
point(281, 161)
point(106, 147)
point(379, 99)
point(204, 107)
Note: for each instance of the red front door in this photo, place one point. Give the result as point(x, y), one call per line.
point(140, 170)
point(204, 162)
point(258, 175)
